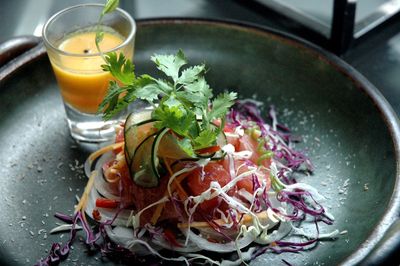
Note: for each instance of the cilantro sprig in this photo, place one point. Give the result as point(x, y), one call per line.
point(183, 100)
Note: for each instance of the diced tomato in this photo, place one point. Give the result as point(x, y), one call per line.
point(247, 182)
point(241, 166)
point(143, 197)
point(200, 179)
point(229, 128)
point(247, 143)
point(231, 137)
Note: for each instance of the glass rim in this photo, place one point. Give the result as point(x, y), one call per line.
point(123, 44)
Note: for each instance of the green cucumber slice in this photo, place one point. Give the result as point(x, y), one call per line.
point(144, 150)
point(169, 148)
point(141, 167)
point(137, 127)
point(154, 152)
point(145, 162)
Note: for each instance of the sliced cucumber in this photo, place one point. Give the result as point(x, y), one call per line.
point(168, 147)
point(137, 127)
point(141, 167)
point(145, 166)
point(145, 146)
point(155, 161)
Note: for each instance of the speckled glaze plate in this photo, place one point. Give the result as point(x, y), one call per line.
point(349, 131)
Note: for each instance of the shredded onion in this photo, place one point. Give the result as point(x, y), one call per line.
point(204, 244)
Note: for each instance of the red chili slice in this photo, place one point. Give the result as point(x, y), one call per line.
point(106, 203)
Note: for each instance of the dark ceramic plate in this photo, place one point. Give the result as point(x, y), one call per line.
point(349, 131)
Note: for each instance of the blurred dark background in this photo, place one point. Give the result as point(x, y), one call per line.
point(375, 54)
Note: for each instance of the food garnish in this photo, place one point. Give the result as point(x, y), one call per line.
point(178, 101)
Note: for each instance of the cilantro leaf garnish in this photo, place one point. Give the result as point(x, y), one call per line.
point(170, 64)
point(221, 105)
point(182, 101)
point(203, 139)
point(112, 103)
point(120, 67)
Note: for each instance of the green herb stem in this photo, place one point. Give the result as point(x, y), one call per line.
point(109, 7)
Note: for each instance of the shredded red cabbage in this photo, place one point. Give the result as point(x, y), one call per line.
point(297, 200)
point(59, 252)
point(246, 113)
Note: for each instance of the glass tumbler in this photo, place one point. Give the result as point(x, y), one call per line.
point(69, 37)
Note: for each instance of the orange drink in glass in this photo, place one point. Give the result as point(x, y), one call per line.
point(69, 37)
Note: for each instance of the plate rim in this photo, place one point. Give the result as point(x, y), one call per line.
point(387, 113)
